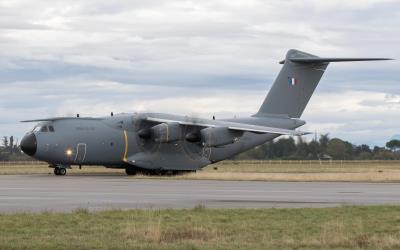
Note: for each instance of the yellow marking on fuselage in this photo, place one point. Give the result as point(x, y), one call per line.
point(126, 146)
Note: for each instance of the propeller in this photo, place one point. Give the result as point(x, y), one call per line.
point(194, 136)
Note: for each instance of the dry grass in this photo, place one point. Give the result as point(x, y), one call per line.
point(370, 227)
point(303, 166)
point(389, 176)
point(367, 171)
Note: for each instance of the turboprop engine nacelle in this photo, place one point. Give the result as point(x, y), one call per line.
point(214, 137)
point(166, 132)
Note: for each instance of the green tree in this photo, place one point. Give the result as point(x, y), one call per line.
point(365, 156)
point(314, 149)
point(5, 141)
point(340, 150)
point(287, 148)
point(11, 144)
point(362, 152)
point(323, 142)
point(301, 149)
point(284, 148)
point(393, 145)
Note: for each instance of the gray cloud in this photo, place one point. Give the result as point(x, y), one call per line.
point(64, 57)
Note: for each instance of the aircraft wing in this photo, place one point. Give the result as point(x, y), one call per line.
point(51, 119)
point(263, 129)
point(230, 125)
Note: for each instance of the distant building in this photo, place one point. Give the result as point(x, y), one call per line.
point(325, 157)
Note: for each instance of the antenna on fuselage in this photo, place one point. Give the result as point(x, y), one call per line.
point(77, 115)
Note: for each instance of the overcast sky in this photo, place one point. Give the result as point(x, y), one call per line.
point(62, 57)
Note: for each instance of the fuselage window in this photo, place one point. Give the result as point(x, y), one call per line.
point(43, 129)
point(51, 128)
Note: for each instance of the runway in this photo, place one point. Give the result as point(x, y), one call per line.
point(55, 193)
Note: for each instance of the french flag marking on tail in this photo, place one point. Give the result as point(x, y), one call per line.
point(292, 81)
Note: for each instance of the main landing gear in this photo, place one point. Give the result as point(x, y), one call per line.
point(131, 170)
point(60, 171)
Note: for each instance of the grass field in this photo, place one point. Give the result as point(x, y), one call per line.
point(369, 227)
point(371, 171)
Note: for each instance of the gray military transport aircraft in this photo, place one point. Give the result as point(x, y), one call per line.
point(155, 143)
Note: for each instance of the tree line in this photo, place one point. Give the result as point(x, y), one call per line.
point(10, 151)
point(323, 148)
point(284, 148)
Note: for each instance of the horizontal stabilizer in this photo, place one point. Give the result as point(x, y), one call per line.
point(328, 59)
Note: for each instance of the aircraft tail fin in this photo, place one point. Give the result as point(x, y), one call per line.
point(296, 82)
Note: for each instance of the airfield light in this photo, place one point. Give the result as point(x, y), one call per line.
point(69, 152)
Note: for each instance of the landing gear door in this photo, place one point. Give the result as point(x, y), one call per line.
point(80, 153)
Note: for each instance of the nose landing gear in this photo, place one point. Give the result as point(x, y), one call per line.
point(59, 169)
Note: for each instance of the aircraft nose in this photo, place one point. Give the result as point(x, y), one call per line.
point(29, 144)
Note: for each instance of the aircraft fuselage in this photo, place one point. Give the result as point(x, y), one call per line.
point(115, 142)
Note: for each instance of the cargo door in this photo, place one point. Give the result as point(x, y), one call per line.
point(80, 153)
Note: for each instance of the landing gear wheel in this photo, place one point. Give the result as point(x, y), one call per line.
point(60, 171)
point(130, 171)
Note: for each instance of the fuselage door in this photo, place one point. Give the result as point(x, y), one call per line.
point(80, 153)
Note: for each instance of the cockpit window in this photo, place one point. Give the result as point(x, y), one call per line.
point(43, 128)
point(36, 129)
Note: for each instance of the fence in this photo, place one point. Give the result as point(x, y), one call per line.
point(14, 163)
point(311, 162)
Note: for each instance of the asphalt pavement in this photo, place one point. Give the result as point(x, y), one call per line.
point(36, 193)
